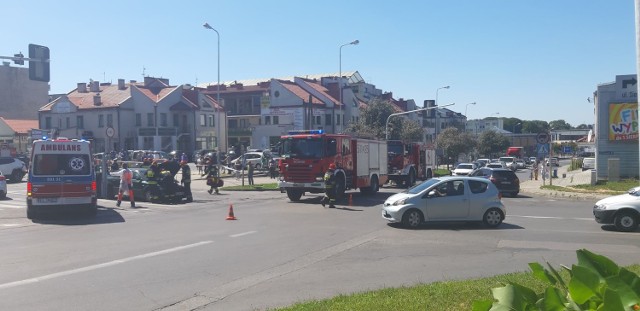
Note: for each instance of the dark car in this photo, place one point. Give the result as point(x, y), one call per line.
point(170, 190)
point(504, 179)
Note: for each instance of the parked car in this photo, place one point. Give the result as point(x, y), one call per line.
point(3, 186)
point(588, 164)
point(554, 161)
point(251, 157)
point(450, 198)
point(520, 164)
point(141, 188)
point(483, 162)
point(463, 169)
point(505, 180)
point(623, 210)
point(12, 168)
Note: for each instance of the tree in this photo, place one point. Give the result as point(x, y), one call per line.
point(583, 127)
point(535, 126)
point(453, 142)
point(511, 124)
point(373, 123)
point(491, 143)
point(559, 125)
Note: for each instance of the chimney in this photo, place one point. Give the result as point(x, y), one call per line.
point(121, 84)
point(132, 81)
point(95, 86)
point(82, 87)
point(96, 100)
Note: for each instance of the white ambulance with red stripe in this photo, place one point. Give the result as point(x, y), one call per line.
point(61, 177)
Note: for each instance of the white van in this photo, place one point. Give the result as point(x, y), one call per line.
point(588, 164)
point(61, 177)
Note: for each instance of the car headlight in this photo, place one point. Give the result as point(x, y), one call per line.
point(319, 178)
point(399, 202)
point(600, 206)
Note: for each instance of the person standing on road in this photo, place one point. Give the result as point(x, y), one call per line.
point(186, 180)
point(212, 177)
point(250, 174)
point(330, 186)
point(126, 185)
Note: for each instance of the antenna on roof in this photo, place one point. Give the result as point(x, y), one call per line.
point(143, 70)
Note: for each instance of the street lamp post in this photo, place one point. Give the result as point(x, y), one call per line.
point(207, 26)
point(465, 115)
point(386, 127)
point(436, 125)
point(513, 132)
point(355, 42)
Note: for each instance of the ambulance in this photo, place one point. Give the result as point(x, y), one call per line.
point(61, 177)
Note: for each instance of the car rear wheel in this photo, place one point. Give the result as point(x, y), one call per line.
point(412, 218)
point(16, 175)
point(294, 195)
point(148, 196)
point(493, 217)
point(31, 213)
point(626, 221)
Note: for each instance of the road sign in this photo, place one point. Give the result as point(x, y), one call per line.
point(542, 148)
point(566, 149)
point(110, 132)
point(543, 138)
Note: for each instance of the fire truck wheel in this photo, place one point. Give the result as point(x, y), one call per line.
point(375, 186)
point(429, 174)
point(294, 195)
point(340, 187)
point(411, 179)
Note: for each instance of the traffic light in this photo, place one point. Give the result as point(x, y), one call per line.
point(18, 61)
point(39, 65)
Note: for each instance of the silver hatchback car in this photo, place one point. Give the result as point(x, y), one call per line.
point(451, 198)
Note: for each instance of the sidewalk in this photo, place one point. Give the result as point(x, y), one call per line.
point(565, 179)
point(259, 177)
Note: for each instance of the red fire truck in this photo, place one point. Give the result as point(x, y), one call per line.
point(306, 155)
point(410, 161)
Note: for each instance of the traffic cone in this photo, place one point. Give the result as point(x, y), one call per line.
point(231, 217)
point(350, 199)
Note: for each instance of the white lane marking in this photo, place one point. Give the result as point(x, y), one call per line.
point(242, 234)
point(566, 246)
point(9, 225)
point(550, 217)
point(99, 266)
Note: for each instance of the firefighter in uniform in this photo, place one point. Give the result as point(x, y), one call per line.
point(186, 180)
point(153, 175)
point(330, 186)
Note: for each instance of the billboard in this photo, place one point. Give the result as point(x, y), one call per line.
point(623, 121)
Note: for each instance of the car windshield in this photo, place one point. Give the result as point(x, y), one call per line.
point(305, 148)
point(61, 164)
point(465, 166)
point(506, 159)
point(422, 186)
point(394, 149)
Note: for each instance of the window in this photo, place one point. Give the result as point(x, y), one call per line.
point(176, 120)
point(47, 122)
point(110, 120)
point(68, 122)
point(80, 122)
point(337, 120)
point(276, 120)
point(327, 119)
point(478, 186)
point(212, 122)
point(163, 119)
point(203, 120)
point(318, 120)
point(150, 121)
point(267, 120)
point(138, 119)
point(101, 120)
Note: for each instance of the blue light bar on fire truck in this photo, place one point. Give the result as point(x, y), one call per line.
point(308, 132)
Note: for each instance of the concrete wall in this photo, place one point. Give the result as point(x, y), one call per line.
point(20, 98)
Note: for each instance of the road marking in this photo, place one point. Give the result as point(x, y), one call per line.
point(99, 266)
point(550, 217)
point(10, 225)
point(564, 246)
point(242, 234)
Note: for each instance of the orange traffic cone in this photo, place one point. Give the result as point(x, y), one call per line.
point(350, 199)
point(231, 217)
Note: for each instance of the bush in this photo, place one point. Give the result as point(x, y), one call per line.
point(595, 283)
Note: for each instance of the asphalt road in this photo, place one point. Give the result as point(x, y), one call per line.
point(187, 256)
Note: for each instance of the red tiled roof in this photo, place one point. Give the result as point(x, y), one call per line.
point(156, 94)
point(300, 92)
point(110, 96)
point(21, 126)
point(318, 87)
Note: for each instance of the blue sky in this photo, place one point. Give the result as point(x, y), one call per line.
point(533, 60)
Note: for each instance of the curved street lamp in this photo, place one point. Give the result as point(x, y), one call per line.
point(386, 127)
point(207, 26)
point(355, 42)
point(436, 125)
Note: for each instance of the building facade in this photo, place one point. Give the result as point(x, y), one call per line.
point(20, 97)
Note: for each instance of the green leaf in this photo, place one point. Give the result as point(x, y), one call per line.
point(482, 305)
point(558, 277)
point(600, 264)
point(553, 300)
point(611, 302)
point(627, 295)
point(584, 284)
point(631, 279)
point(513, 297)
point(542, 274)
